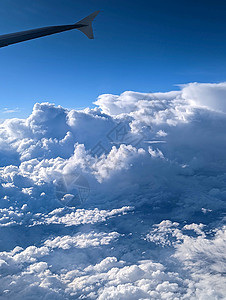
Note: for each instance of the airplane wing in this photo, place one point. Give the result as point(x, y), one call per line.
point(85, 26)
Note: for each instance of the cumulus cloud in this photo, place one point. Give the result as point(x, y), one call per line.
point(123, 201)
point(203, 256)
point(79, 216)
point(208, 95)
point(82, 240)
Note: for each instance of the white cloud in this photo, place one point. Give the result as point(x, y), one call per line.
point(82, 240)
point(203, 257)
point(9, 110)
point(152, 226)
point(209, 95)
point(79, 216)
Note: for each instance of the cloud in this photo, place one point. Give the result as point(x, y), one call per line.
point(202, 256)
point(123, 201)
point(9, 110)
point(80, 216)
point(209, 95)
point(82, 240)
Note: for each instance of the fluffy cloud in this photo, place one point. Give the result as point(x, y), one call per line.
point(202, 256)
point(79, 216)
point(82, 240)
point(123, 201)
point(209, 95)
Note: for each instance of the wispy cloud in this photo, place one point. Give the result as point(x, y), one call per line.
point(7, 110)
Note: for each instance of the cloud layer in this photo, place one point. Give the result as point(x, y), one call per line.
point(124, 201)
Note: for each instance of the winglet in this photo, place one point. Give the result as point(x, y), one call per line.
point(87, 29)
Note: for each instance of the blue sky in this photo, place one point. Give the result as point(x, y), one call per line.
point(144, 46)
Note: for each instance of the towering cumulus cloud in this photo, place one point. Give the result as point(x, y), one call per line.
point(123, 201)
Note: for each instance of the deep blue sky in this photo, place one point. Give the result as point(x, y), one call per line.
point(145, 46)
